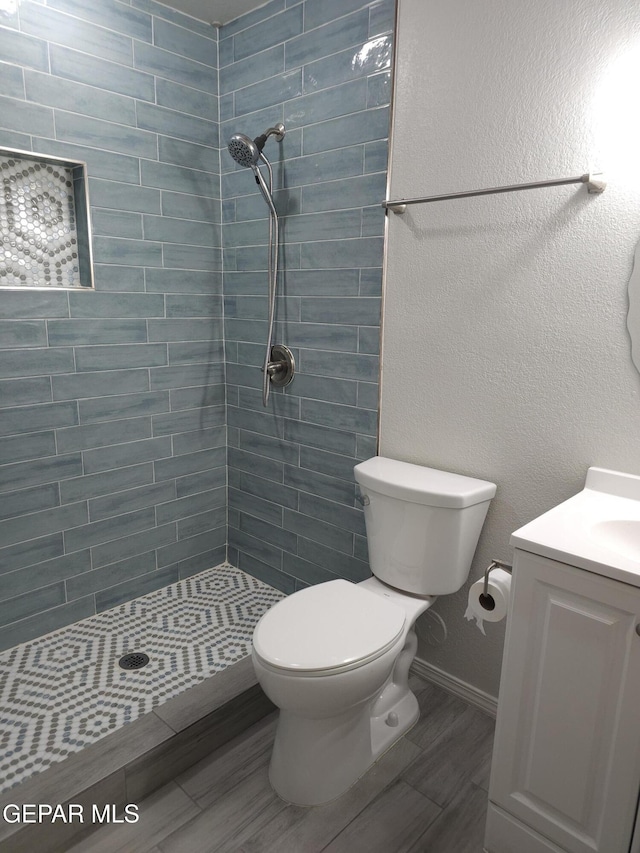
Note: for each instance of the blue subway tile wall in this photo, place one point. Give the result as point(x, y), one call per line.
point(112, 403)
point(323, 68)
point(115, 416)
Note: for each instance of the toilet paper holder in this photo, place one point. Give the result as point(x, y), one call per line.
point(485, 599)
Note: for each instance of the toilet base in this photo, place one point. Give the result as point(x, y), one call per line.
point(315, 761)
point(385, 731)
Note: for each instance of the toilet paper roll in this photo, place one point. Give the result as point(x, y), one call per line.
point(498, 592)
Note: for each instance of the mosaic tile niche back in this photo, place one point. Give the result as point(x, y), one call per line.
point(43, 222)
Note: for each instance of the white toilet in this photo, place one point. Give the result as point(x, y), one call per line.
point(335, 657)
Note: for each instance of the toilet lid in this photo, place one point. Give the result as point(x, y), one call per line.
point(332, 626)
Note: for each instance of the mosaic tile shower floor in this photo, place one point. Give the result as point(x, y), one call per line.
point(61, 692)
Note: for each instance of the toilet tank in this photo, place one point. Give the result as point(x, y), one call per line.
point(422, 524)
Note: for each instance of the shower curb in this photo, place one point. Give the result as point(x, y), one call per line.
point(128, 764)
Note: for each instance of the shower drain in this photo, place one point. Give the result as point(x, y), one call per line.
point(134, 660)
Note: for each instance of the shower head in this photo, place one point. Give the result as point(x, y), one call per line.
point(246, 151)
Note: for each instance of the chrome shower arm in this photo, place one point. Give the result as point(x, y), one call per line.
point(277, 131)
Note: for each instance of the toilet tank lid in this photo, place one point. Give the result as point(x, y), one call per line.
point(422, 485)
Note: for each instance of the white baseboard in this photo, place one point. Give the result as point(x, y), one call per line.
point(484, 701)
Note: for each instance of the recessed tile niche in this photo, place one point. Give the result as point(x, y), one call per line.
point(44, 222)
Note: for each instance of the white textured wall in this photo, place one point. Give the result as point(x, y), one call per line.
point(505, 350)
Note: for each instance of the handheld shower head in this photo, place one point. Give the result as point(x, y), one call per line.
point(246, 152)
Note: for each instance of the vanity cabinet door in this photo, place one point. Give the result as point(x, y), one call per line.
point(567, 755)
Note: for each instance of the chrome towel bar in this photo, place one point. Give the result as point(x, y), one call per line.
point(594, 181)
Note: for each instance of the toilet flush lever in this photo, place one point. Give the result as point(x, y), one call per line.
point(363, 499)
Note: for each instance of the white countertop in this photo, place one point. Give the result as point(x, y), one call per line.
point(597, 529)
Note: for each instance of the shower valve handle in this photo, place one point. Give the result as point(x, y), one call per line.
point(282, 366)
point(275, 367)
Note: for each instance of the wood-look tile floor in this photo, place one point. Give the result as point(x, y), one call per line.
point(428, 794)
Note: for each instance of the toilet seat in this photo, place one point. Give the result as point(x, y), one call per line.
point(332, 627)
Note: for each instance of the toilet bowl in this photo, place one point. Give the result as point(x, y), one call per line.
point(343, 692)
point(335, 657)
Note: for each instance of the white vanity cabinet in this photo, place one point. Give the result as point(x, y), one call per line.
point(566, 766)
